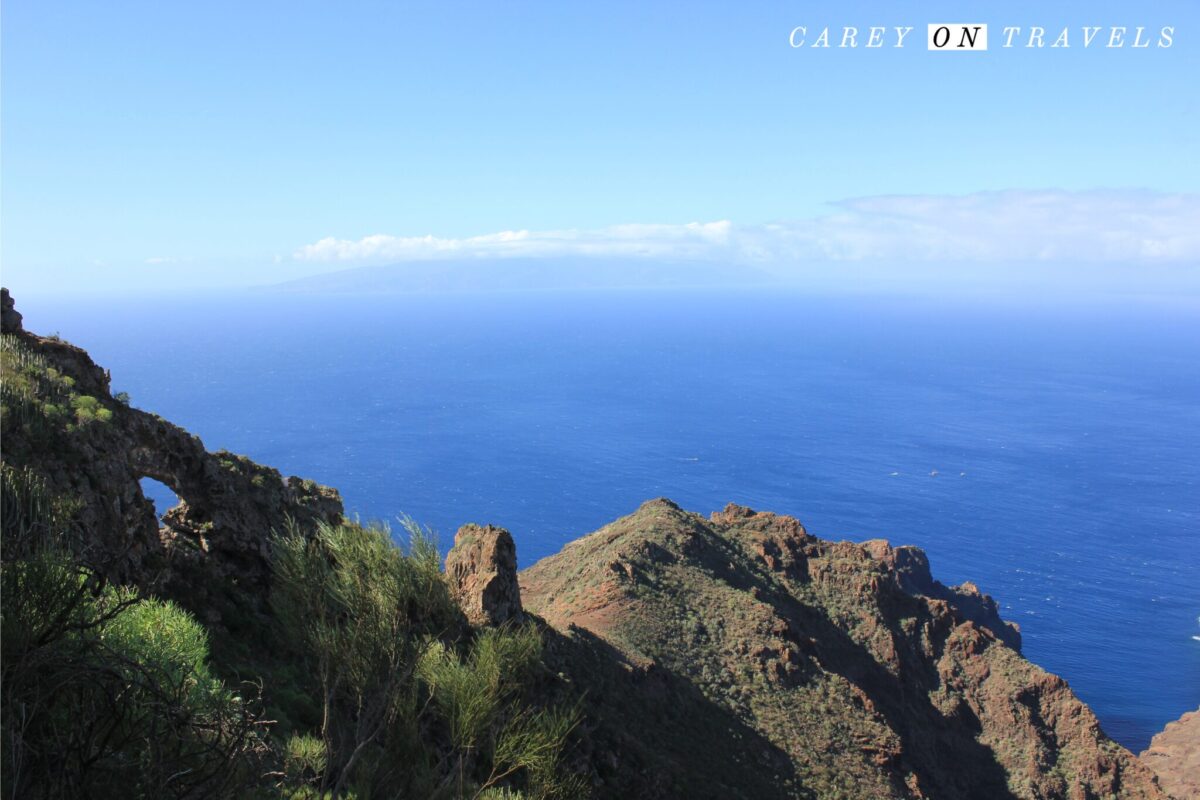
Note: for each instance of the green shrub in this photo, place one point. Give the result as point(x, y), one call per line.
point(304, 760)
point(471, 692)
point(105, 694)
point(358, 610)
point(109, 695)
point(388, 692)
point(88, 409)
point(162, 639)
point(411, 708)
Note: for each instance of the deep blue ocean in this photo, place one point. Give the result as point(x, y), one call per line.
point(1048, 451)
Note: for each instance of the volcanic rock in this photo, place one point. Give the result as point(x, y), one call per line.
point(218, 535)
point(831, 669)
point(1174, 755)
point(10, 318)
point(482, 570)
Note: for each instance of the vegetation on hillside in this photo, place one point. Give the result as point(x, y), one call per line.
point(36, 396)
point(105, 693)
point(112, 694)
point(359, 679)
point(412, 702)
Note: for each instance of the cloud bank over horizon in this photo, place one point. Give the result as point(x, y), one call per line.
point(1105, 226)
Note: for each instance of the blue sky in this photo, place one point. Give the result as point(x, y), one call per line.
point(183, 144)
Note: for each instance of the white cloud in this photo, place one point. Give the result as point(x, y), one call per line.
point(694, 240)
point(1017, 225)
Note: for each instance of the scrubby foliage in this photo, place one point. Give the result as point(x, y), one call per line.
point(37, 398)
point(105, 693)
point(358, 677)
point(412, 704)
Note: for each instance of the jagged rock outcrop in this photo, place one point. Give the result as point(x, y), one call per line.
point(10, 318)
point(841, 669)
point(482, 571)
point(94, 449)
point(1174, 755)
point(911, 567)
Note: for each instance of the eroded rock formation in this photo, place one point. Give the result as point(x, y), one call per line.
point(217, 537)
point(10, 318)
point(482, 570)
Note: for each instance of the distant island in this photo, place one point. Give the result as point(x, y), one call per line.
point(525, 274)
point(254, 642)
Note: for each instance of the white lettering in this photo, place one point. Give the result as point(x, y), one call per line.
point(958, 37)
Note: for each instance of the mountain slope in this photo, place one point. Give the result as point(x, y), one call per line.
point(868, 677)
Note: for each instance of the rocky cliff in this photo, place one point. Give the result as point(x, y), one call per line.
point(826, 669)
point(1175, 755)
point(61, 420)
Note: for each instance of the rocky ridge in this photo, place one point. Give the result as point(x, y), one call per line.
point(856, 673)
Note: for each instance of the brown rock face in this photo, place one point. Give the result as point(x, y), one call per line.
point(482, 568)
point(911, 568)
point(842, 669)
point(1174, 755)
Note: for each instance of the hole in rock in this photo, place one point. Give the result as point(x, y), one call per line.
point(160, 495)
